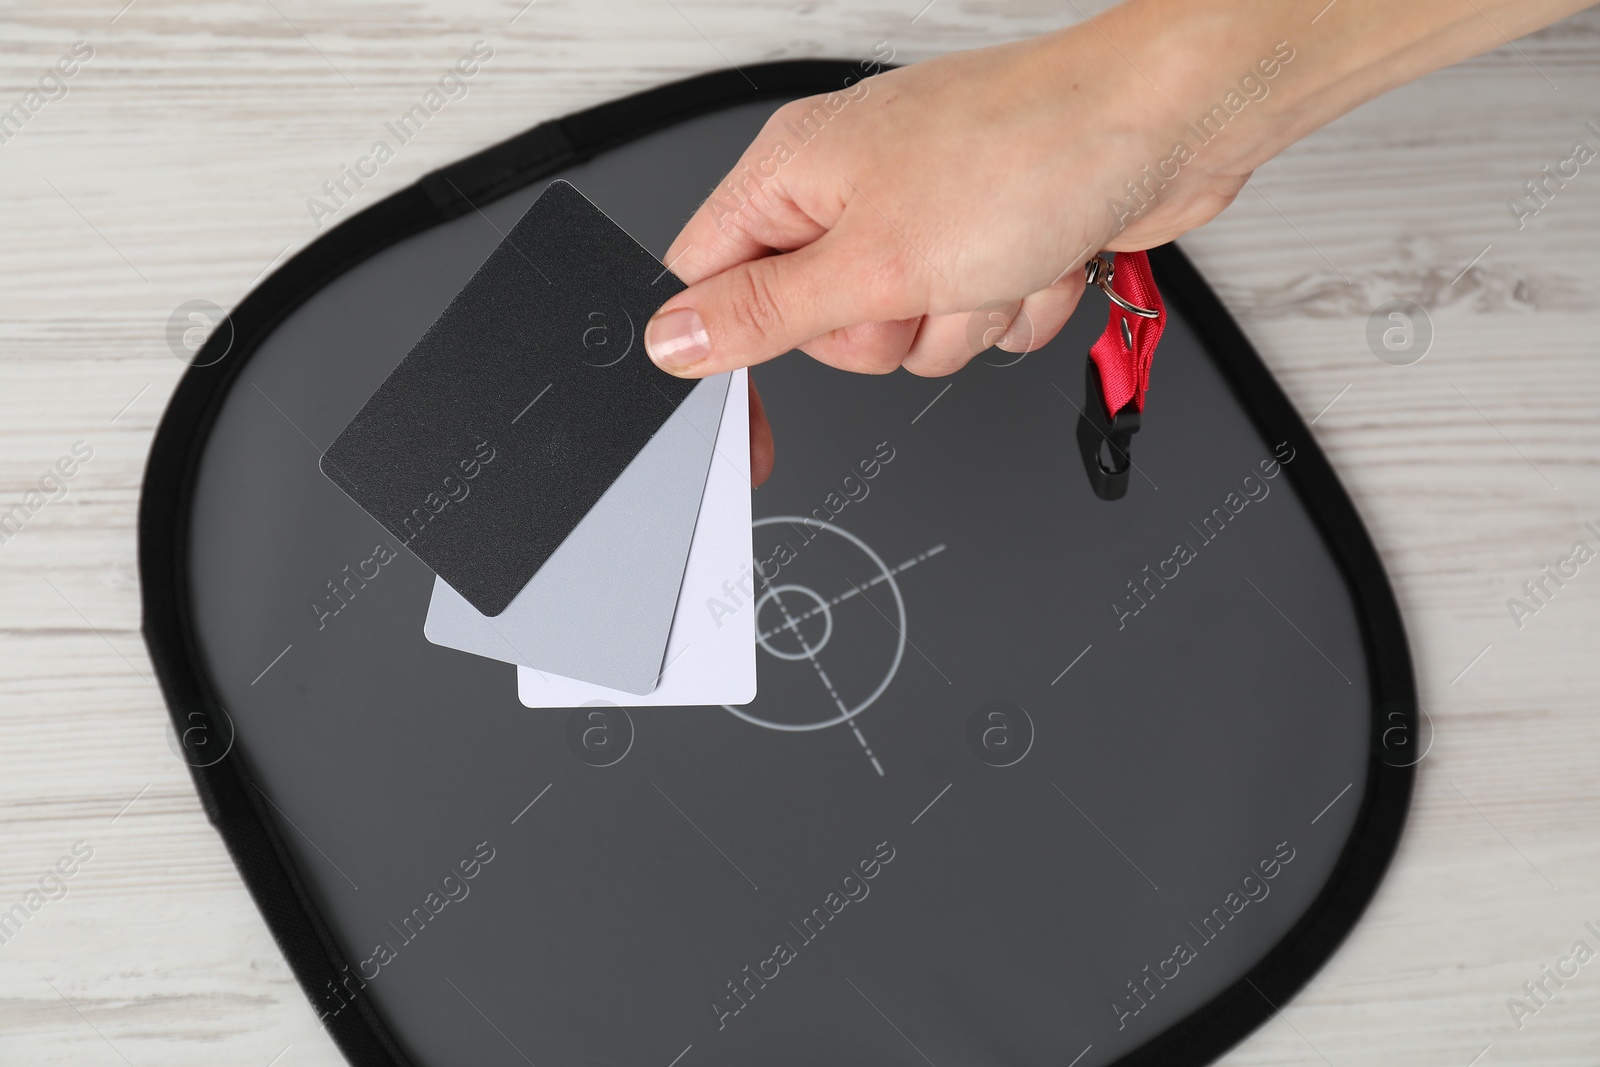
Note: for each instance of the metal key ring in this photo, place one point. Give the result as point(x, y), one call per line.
point(1099, 271)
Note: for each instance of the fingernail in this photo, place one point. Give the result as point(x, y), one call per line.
point(677, 339)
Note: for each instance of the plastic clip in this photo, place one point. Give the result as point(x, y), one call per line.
point(1101, 439)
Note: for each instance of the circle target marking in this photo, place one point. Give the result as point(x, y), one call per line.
point(792, 624)
point(885, 575)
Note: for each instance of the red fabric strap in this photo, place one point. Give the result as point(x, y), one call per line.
point(1124, 371)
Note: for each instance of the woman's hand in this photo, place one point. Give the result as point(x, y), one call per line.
point(905, 201)
point(899, 205)
point(866, 226)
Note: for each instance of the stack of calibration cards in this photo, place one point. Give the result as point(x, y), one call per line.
point(710, 656)
point(574, 502)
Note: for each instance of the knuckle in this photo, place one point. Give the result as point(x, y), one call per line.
point(895, 270)
point(787, 113)
point(753, 302)
point(792, 113)
point(758, 218)
point(893, 283)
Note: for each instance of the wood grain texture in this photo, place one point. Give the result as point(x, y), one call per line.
point(178, 167)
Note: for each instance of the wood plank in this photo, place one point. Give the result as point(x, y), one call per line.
point(179, 165)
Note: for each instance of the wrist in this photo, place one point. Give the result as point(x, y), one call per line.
point(1229, 80)
point(1197, 95)
point(1348, 52)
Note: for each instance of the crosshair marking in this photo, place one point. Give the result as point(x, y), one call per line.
point(846, 713)
point(793, 624)
point(856, 589)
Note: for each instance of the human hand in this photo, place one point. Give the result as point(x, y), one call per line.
point(866, 226)
point(920, 195)
point(976, 179)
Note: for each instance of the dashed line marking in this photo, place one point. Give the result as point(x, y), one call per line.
point(793, 624)
point(852, 591)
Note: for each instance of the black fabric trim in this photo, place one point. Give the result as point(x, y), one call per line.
point(237, 808)
point(1229, 1017)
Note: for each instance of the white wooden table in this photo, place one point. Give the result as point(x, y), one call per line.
point(178, 164)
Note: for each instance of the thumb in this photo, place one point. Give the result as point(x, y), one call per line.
point(764, 307)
